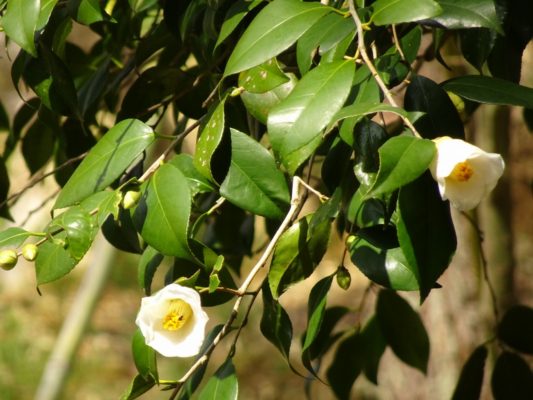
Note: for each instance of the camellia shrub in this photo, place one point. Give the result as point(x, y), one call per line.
point(289, 100)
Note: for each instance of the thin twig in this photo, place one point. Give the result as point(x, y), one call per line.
point(362, 49)
point(15, 196)
point(157, 163)
point(296, 198)
point(483, 259)
point(39, 207)
point(397, 43)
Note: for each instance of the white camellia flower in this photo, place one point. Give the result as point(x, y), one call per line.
point(172, 321)
point(464, 172)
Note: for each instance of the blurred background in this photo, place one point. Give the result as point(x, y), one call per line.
point(458, 317)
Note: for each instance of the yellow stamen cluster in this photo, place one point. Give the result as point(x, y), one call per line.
point(462, 172)
point(179, 313)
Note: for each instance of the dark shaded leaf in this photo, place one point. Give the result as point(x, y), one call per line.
point(403, 329)
point(148, 264)
point(471, 378)
point(512, 378)
point(516, 328)
point(253, 182)
point(458, 14)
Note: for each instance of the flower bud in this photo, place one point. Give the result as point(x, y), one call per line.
point(8, 259)
point(131, 198)
point(29, 251)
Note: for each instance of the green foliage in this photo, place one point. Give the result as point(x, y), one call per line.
point(272, 93)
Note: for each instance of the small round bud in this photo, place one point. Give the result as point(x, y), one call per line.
point(29, 251)
point(236, 92)
point(350, 240)
point(8, 259)
point(130, 199)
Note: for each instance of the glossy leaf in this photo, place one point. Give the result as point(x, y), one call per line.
point(138, 387)
point(471, 378)
point(144, 356)
point(484, 89)
point(402, 159)
point(86, 12)
point(20, 23)
point(385, 266)
point(108, 205)
point(476, 45)
point(458, 14)
point(53, 261)
point(263, 78)
point(369, 137)
point(167, 204)
point(80, 231)
point(440, 116)
point(516, 328)
point(316, 307)
point(403, 329)
point(236, 13)
point(296, 254)
point(397, 11)
point(106, 161)
point(324, 34)
point(295, 125)
point(222, 385)
point(263, 40)
point(210, 138)
point(148, 264)
point(46, 8)
point(13, 237)
point(253, 182)
point(276, 325)
point(425, 231)
point(359, 110)
point(346, 366)
point(197, 182)
point(260, 104)
point(512, 378)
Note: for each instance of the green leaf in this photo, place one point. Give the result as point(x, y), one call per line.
point(276, 325)
point(167, 204)
point(316, 307)
point(197, 182)
point(222, 385)
point(459, 14)
point(236, 13)
point(358, 110)
point(425, 231)
point(326, 336)
point(385, 266)
point(253, 182)
point(20, 22)
point(121, 232)
point(263, 78)
point(138, 387)
point(148, 264)
point(388, 12)
point(210, 138)
point(512, 378)
point(346, 366)
point(471, 378)
point(46, 8)
point(263, 40)
point(324, 35)
point(144, 357)
point(13, 237)
point(484, 89)
point(440, 115)
point(79, 228)
point(106, 161)
point(108, 205)
point(260, 104)
point(516, 328)
point(402, 159)
point(296, 254)
point(38, 145)
point(403, 329)
point(53, 261)
point(139, 6)
point(295, 125)
point(86, 12)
